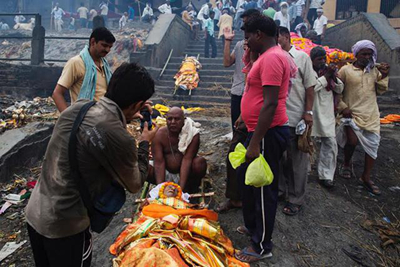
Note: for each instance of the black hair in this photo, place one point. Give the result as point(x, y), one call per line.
point(283, 31)
point(249, 13)
point(211, 13)
point(102, 34)
point(317, 51)
point(130, 84)
point(261, 23)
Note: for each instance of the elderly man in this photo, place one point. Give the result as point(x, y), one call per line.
point(299, 108)
point(324, 114)
point(363, 80)
point(283, 16)
point(175, 150)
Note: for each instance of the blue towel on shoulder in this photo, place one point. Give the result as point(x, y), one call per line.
point(88, 88)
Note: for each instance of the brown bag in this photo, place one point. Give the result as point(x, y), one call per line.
point(305, 143)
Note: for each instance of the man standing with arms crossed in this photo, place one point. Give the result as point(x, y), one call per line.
point(299, 105)
point(264, 113)
point(87, 74)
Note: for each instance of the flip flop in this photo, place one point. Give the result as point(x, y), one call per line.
point(345, 172)
point(256, 257)
point(243, 230)
point(291, 209)
point(225, 206)
point(371, 187)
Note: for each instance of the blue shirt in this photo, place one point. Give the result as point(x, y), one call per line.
point(209, 24)
point(250, 5)
point(131, 13)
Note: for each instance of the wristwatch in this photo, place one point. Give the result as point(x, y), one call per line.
point(309, 112)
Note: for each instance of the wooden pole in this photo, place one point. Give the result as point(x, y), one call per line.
point(140, 12)
point(51, 16)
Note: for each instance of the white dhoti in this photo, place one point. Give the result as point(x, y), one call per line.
point(368, 140)
point(58, 24)
point(327, 158)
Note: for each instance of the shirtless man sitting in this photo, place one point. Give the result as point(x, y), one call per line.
point(167, 156)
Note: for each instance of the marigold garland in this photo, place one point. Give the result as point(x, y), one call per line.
point(333, 55)
point(161, 192)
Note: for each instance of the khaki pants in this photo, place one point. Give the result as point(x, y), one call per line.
point(294, 174)
point(58, 24)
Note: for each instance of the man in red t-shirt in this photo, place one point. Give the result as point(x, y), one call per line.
point(264, 113)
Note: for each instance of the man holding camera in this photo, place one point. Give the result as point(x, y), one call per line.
point(59, 219)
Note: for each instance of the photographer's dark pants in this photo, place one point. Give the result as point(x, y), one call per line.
point(259, 203)
point(71, 251)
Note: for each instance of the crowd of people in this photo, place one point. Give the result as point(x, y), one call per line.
point(278, 95)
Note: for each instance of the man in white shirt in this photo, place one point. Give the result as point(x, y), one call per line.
point(299, 106)
point(58, 13)
point(104, 11)
point(148, 14)
point(92, 14)
point(165, 8)
point(19, 18)
point(83, 15)
point(312, 12)
point(320, 25)
point(123, 20)
point(300, 12)
point(204, 11)
point(283, 16)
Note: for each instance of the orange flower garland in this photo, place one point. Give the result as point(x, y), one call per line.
point(333, 55)
point(162, 188)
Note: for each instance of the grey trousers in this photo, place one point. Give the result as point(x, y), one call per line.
point(293, 177)
point(327, 158)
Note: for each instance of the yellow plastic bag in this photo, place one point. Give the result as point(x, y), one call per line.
point(238, 156)
point(259, 173)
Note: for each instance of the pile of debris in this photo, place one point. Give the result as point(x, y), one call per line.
point(22, 112)
point(128, 40)
point(13, 233)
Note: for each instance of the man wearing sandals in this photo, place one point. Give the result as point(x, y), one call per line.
point(264, 113)
point(293, 179)
point(358, 107)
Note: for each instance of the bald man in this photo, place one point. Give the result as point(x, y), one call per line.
point(167, 156)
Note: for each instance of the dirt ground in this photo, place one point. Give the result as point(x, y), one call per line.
point(333, 227)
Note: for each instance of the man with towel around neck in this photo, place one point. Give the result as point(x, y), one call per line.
point(86, 75)
point(174, 151)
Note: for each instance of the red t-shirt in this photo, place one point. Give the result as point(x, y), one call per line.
point(271, 69)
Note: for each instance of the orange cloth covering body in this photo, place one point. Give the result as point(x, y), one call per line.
point(170, 233)
point(391, 118)
point(187, 77)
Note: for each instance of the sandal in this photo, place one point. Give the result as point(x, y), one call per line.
point(226, 206)
point(291, 209)
point(252, 256)
point(243, 230)
point(345, 172)
point(371, 187)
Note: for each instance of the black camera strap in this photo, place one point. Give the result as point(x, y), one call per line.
point(73, 160)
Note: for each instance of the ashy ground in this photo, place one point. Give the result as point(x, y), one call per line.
point(342, 227)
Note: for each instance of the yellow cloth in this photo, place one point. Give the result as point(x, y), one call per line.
point(187, 239)
point(187, 75)
point(225, 21)
point(187, 18)
point(359, 95)
point(72, 78)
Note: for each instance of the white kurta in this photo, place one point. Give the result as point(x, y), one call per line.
point(324, 115)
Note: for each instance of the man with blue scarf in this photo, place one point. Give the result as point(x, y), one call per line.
point(86, 75)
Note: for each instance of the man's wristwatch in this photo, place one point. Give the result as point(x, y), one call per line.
point(309, 112)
